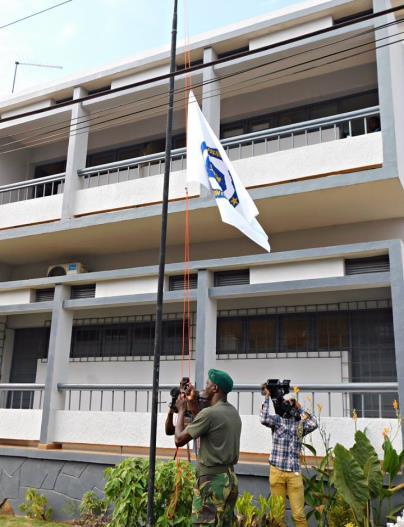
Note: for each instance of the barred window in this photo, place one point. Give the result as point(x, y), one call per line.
point(125, 340)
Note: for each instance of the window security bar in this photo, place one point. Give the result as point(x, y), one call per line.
point(32, 189)
point(239, 147)
point(371, 400)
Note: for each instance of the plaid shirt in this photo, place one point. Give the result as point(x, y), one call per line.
point(287, 437)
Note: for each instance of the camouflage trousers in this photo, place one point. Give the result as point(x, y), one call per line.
point(214, 499)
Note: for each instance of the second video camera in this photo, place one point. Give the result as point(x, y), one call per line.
point(283, 408)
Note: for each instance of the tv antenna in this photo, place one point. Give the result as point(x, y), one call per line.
point(18, 63)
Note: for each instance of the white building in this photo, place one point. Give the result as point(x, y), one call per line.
point(315, 129)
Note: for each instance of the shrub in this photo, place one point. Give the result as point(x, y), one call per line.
point(36, 506)
point(126, 489)
point(269, 512)
point(93, 511)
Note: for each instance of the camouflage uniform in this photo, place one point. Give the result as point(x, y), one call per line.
point(214, 499)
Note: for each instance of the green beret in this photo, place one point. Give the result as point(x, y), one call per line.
point(221, 379)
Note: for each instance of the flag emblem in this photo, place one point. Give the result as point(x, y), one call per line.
point(219, 175)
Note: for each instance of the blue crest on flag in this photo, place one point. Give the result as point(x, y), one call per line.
point(219, 175)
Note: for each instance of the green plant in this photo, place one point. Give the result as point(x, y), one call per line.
point(35, 506)
point(339, 514)
point(126, 490)
point(91, 504)
point(93, 511)
point(269, 512)
point(318, 488)
point(358, 478)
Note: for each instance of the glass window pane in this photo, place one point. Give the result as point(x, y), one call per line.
point(229, 335)
point(142, 339)
point(232, 132)
point(116, 341)
point(324, 109)
point(332, 332)
point(86, 342)
point(295, 334)
point(172, 337)
point(261, 335)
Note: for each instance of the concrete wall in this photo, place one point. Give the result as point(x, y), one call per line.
point(20, 296)
point(132, 429)
point(62, 482)
point(131, 193)
point(24, 425)
point(342, 155)
point(297, 271)
point(30, 211)
point(284, 241)
point(13, 166)
point(126, 287)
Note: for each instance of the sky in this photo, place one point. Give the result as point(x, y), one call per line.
point(84, 35)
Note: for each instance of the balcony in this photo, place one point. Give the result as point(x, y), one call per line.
point(119, 414)
point(331, 145)
point(34, 201)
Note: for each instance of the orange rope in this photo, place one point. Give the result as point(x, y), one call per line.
point(186, 315)
point(186, 312)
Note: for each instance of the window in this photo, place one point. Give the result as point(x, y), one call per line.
point(230, 335)
point(332, 332)
point(261, 335)
point(142, 339)
point(301, 114)
point(177, 282)
point(236, 277)
point(86, 342)
point(295, 332)
point(116, 341)
point(172, 337)
point(125, 339)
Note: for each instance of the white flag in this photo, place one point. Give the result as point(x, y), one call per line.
point(209, 165)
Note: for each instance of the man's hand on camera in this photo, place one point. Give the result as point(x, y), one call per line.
point(266, 393)
point(181, 403)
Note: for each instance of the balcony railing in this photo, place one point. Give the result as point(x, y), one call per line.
point(21, 396)
point(32, 189)
point(254, 144)
point(330, 400)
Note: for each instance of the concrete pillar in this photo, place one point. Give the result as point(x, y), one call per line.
point(396, 255)
point(76, 154)
point(390, 72)
point(206, 322)
point(211, 92)
point(58, 363)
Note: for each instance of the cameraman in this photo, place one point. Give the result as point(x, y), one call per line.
point(193, 405)
point(287, 436)
point(219, 427)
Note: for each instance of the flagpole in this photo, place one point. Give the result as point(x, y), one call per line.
point(162, 261)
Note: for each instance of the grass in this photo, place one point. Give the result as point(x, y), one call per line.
point(18, 521)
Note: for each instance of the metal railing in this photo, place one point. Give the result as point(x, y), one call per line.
point(243, 146)
point(330, 400)
point(32, 189)
point(21, 396)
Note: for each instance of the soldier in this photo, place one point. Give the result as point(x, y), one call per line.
point(218, 427)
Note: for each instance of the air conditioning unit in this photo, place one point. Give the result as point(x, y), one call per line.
point(66, 268)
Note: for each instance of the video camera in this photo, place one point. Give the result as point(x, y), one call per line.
point(185, 387)
point(175, 392)
point(278, 390)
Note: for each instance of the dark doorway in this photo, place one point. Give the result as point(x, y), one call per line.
point(29, 345)
point(50, 169)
